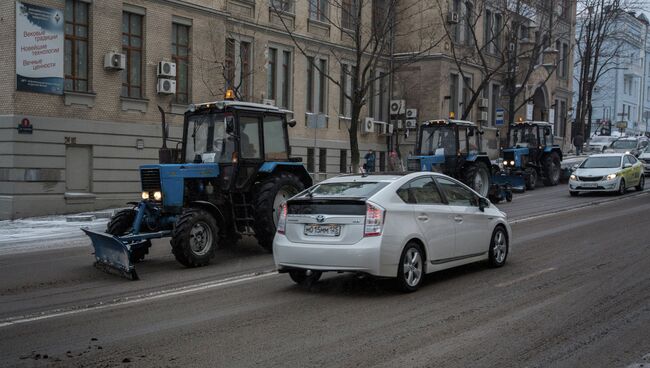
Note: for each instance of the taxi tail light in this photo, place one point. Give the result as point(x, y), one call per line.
point(282, 220)
point(375, 216)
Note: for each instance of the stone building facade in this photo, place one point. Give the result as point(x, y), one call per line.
point(86, 144)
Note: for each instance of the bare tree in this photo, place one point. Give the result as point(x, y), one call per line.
point(599, 46)
point(368, 30)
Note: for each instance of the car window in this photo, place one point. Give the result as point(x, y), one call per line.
point(420, 191)
point(363, 189)
point(630, 159)
point(456, 194)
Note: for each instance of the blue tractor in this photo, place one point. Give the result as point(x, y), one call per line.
point(531, 154)
point(453, 147)
point(229, 178)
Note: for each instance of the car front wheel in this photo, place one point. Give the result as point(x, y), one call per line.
point(641, 184)
point(621, 187)
point(410, 272)
point(498, 247)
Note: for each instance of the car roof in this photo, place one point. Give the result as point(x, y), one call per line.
point(222, 105)
point(381, 176)
point(628, 139)
point(613, 154)
point(449, 121)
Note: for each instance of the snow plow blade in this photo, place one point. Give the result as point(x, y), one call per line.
point(516, 182)
point(112, 255)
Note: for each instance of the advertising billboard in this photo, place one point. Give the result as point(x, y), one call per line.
point(39, 49)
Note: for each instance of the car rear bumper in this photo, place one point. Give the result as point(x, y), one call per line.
point(364, 256)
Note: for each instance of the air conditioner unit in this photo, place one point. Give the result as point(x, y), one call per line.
point(411, 124)
point(483, 103)
point(269, 102)
point(166, 69)
point(114, 60)
point(368, 125)
point(397, 107)
point(166, 86)
point(411, 113)
point(452, 17)
point(484, 116)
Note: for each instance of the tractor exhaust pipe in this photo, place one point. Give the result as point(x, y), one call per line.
point(164, 153)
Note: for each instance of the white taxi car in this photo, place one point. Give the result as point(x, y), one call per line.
point(607, 172)
point(401, 226)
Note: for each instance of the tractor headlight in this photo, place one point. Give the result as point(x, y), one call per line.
point(157, 196)
point(145, 195)
point(611, 176)
point(512, 163)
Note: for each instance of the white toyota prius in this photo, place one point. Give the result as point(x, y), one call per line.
point(388, 225)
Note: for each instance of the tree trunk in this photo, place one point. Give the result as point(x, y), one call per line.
point(354, 138)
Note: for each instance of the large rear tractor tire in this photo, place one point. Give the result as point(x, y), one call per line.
point(122, 224)
point(477, 177)
point(268, 196)
point(552, 169)
point(195, 238)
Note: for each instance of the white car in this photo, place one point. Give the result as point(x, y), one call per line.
point(599, 143)
point(644, 157)
point(607, 172)
point(402, 226)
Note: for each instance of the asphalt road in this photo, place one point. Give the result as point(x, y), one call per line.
point(575, 292)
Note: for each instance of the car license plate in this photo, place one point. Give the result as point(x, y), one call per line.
point(322, 230)
point(589, 185)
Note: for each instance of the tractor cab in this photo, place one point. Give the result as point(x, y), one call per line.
point(452, 147)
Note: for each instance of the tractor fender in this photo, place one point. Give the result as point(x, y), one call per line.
point(296, 168)
point(212, 209)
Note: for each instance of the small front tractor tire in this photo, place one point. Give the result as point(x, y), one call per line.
point(194, 238)
point(552, 169)
point(477, 177)
point(268, 195)
point(122, 224)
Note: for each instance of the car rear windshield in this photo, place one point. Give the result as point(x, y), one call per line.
point(354, 189)
point(607, 162)
point(624, 144)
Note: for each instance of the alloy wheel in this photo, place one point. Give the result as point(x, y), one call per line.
point(500, 247)
point(412, 267)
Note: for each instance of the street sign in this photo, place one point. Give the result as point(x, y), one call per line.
point(316, 121)
point(498, 121)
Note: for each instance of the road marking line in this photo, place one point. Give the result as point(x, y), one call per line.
point(577, 208)
point(154, 295)
point(523, 278)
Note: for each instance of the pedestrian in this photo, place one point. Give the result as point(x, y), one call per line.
point(370, 161)
point(578, 141)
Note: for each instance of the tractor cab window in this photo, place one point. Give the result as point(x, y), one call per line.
point(462, 139)
point(249, 127)
point(207, 139)
point(474, 139)
point(438, 140)
point(523, 136)
point(274, 145)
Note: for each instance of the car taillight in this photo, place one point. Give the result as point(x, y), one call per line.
point(282, 220)
point(374, 220)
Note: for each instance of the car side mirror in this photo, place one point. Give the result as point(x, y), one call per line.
point(291, 123)
point(575, 167)
point(547, 131)
point(626, 165)
point(483, 203)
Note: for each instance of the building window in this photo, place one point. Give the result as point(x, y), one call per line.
point(469, 23)
point(487, 30)
point(322, 160)
point(383, 96)
point(316, 85)
point(132, 39)
point(497, 32)
point(76, 46)
point(349, 11)
point(282, 5)
point(181, 56)
point(343, 162)
point(310, 160)
point(494, 102)
point(271, 73)
point(237, 68)
point(453, 94)
point(318, 10)
point(467, 96)
point(344, 103)
point(278, 77)
point(379, 17)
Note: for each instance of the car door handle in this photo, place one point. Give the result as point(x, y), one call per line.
point(458, 218)
point(423, 217)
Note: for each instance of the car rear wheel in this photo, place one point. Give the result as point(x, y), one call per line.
point(498, 247)
point(410, 272)
point(621, 187)
point(641, 184)
point(305, 277)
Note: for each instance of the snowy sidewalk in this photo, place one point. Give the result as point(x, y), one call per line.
point(55, 231)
